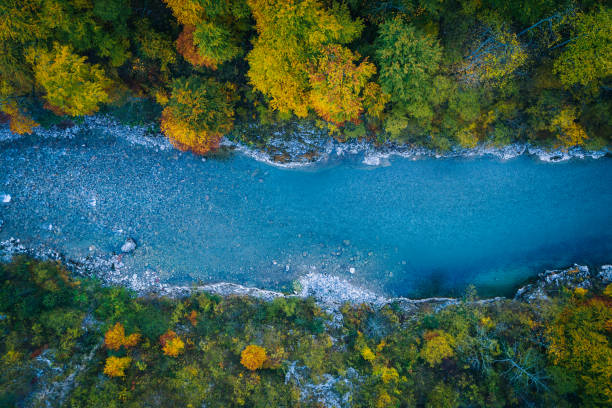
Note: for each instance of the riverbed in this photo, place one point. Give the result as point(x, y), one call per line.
point(409, 226)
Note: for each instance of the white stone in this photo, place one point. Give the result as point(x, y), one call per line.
point(128, 246)
point(6, 198)
point(352, 270)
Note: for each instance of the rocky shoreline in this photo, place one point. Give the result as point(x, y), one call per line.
point(330, 292)
point(307, 145)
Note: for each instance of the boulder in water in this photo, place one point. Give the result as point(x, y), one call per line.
point(5, 198)
point(128, 246)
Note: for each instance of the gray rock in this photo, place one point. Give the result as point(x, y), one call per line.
point(128, 246)
point(605, 274)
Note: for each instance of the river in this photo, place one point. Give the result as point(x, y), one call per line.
point(409, 227)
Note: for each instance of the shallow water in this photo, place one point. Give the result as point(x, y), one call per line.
point(413, 227)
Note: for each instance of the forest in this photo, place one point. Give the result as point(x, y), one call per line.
point(434, 73)
point(70, 341)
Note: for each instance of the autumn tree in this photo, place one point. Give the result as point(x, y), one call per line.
point(171, 343)
point(212, 30)
point(187, 48)
point(116, 366)
point(566, 129)
point(115, 338)
point(580, 346)
point(587, 58)
point(338, 85)
point(438, 346)
point(253, 357)
point(19, 123)
point(288, 63)
point(495, 57)
point(71, 84)
point(197, 115)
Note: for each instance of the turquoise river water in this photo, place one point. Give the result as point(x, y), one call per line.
point(412, 227)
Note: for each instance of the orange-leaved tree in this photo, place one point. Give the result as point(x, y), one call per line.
point(212, 31)
point(253, 357)
point(197, 114)
point(171, 343)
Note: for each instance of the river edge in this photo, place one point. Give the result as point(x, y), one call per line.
point(307, 145)
point(330, 292)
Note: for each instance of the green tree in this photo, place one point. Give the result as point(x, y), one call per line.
point(409, 62)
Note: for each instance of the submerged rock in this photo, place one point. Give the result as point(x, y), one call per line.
point(128, 246)
point(5, 198)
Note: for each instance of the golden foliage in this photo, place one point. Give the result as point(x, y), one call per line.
point(438, 346)
point(115, 366)
point(487, 322)
point(608, 291)
point(72, 85)
point(338, 84)
point(186, 138)
point(172, 345)
point(580, 292)
point(187, 12)
point(367, 354)
point(568, 132)
point(579, 343)
point(19, 123)
point(291, 35)
point(198, 114)
point(253, 357)
point(115, 338)
point(389, 374)
point(384, 400)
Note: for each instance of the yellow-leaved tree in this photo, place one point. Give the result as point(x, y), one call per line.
point(580, 346)
point(171, 343)
point(298, 60)
point(438, 346)
point(115, 366)
point(338, 84)
point(568, 132)
point(19, 123)
point(72, 86)
point(115, 338)
point(253, 357)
